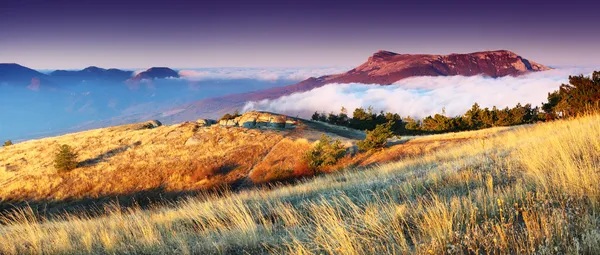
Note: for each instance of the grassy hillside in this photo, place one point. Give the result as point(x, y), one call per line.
point(530, 189)
point(134, 164)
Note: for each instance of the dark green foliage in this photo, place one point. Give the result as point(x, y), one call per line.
point(229, 116)
point(474, 119)
point(581, 95)
point(362, 119)
point(377, 138)
point(65, 159)
point(8, 143)
point(326, 152)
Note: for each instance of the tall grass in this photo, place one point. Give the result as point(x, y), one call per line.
point(522, 191)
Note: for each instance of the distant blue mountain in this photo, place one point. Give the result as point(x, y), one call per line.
point(156, 73)
point(92, 73)
point(34, 104)
point(18, 75)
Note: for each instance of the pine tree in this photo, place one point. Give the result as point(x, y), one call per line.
point(65, 159)
point(377, 138)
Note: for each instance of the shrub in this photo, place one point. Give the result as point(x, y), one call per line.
point(326, 152)
point(302, 169)
point(8, 143)
point(229, 116)
point(65, 159)
point(377, 138)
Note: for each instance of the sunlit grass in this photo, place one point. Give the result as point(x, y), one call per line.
point(523, 190)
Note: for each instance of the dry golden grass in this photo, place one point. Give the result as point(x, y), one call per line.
point(119, 161)
point(125, 160)
point(520, 191)
point(280, 162)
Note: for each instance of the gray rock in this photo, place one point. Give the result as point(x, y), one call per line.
point(152, 124)
point(205, 122)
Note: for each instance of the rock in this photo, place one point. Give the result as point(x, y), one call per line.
point(205, 122)
point(277, 122)
point(193, 141)
point(290, 124)
point(231, 123)
point(152, 124)
point(259, 120)
point(249, 123)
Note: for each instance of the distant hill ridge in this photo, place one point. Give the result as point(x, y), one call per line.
point(18, 75)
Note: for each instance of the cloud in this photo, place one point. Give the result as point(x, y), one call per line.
point(271, 74)
point(422, 96)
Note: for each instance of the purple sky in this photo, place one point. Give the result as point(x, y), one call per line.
point(126, 34)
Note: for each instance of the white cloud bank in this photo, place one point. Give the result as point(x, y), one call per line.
point(270, 74)
point(422, 96)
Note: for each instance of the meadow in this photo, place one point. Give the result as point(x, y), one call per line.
point(521, 190)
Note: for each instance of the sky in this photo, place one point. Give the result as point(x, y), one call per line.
point(63, 34)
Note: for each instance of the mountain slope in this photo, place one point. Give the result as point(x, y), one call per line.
point(189, 156)
point(382, 68)
point(18, 75)
point(156, 73)
point(92, 73)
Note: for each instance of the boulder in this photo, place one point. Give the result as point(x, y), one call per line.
point(205, 122)
point(193, 141)
point(277, 122)
point(249, 123)
point(290, 124)
point(152, 124)
point(231, 123)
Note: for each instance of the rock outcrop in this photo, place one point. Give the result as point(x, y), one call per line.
point(256, 119)
point(206, 122)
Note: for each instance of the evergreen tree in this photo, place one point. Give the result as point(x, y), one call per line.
point(473, 117)
point(65, 159)
point(377, 138)
point(8, 143)
point(582, 94)
point(326, 152)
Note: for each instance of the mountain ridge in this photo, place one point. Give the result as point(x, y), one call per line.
point(155, 73)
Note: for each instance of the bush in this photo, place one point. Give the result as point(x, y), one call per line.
point(229, 116)
point(65, 159)
point(8, 143)
point(377, 138)
point(326, 152)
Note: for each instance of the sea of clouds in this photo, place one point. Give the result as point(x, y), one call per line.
point(423, 96)
point(264, 74)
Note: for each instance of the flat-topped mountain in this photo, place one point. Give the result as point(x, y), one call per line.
point(383, 68)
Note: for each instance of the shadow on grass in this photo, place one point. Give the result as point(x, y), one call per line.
point(102, 157)
point(98, 206)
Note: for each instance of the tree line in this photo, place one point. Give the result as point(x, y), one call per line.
point(580, 96)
